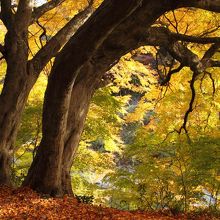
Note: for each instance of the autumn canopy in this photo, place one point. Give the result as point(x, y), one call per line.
point(116, 101)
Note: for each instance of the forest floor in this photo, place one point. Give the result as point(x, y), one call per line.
point(23, 203)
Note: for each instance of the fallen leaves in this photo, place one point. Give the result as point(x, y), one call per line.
point(23, 203)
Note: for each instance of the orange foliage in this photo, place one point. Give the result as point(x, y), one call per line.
point(23, 203)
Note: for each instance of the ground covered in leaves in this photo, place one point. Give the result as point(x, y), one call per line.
point(23, 203)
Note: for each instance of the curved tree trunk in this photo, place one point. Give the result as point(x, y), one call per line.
point(10, 115)
point(79, 104)
point(104, 57)
point(45, 172)
point(112, 31)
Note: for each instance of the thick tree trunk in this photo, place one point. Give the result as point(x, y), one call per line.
point(45, 172)
point(22, 74)
point(12, 101)
point(5, 168)
point(50, 170)
point(10, 114)
point(14, 93)
point(113, 30)
point(13, 98)
point(82, 93)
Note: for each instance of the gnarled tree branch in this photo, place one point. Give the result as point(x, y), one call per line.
point(190, 108)
point(214, 63)
point(211, 51)
point(170, 73)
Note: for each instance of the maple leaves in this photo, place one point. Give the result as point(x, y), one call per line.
point(23, 203)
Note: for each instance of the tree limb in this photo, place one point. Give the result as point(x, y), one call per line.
point(170, 73)
point(160, 36)
point(38, 12)
point(56, 42)
point(190, 108)
point(44, 34)
point(214, 63)
point(213, 82)
point(163, 35)
point(194, 39)
point(210, 5)
point(211, 51)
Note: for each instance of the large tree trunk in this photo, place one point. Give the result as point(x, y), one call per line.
point(112, 31)
point(17, 82)
point(45, 172)
point(13, 97)
point(79, 104)
point(22, 74)
point(108, 53)
point(50, 170)
point(12, 103)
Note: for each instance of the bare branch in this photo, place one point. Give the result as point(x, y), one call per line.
point(38, 12)
point(44, 34)
point(190, 109)
point(56, 42)
point(170, 73)
point(185, 56)
point(209, 31)
point(211, 51)
point(161, 35)
point(194, 39)
point(212, 81)
point(214, 63)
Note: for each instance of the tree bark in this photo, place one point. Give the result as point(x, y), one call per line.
point(95, 47)
point(56, 104)
point(112, 31)
point(13, 97)
point(116, 45)
point(22, 74)
point(82, 93)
